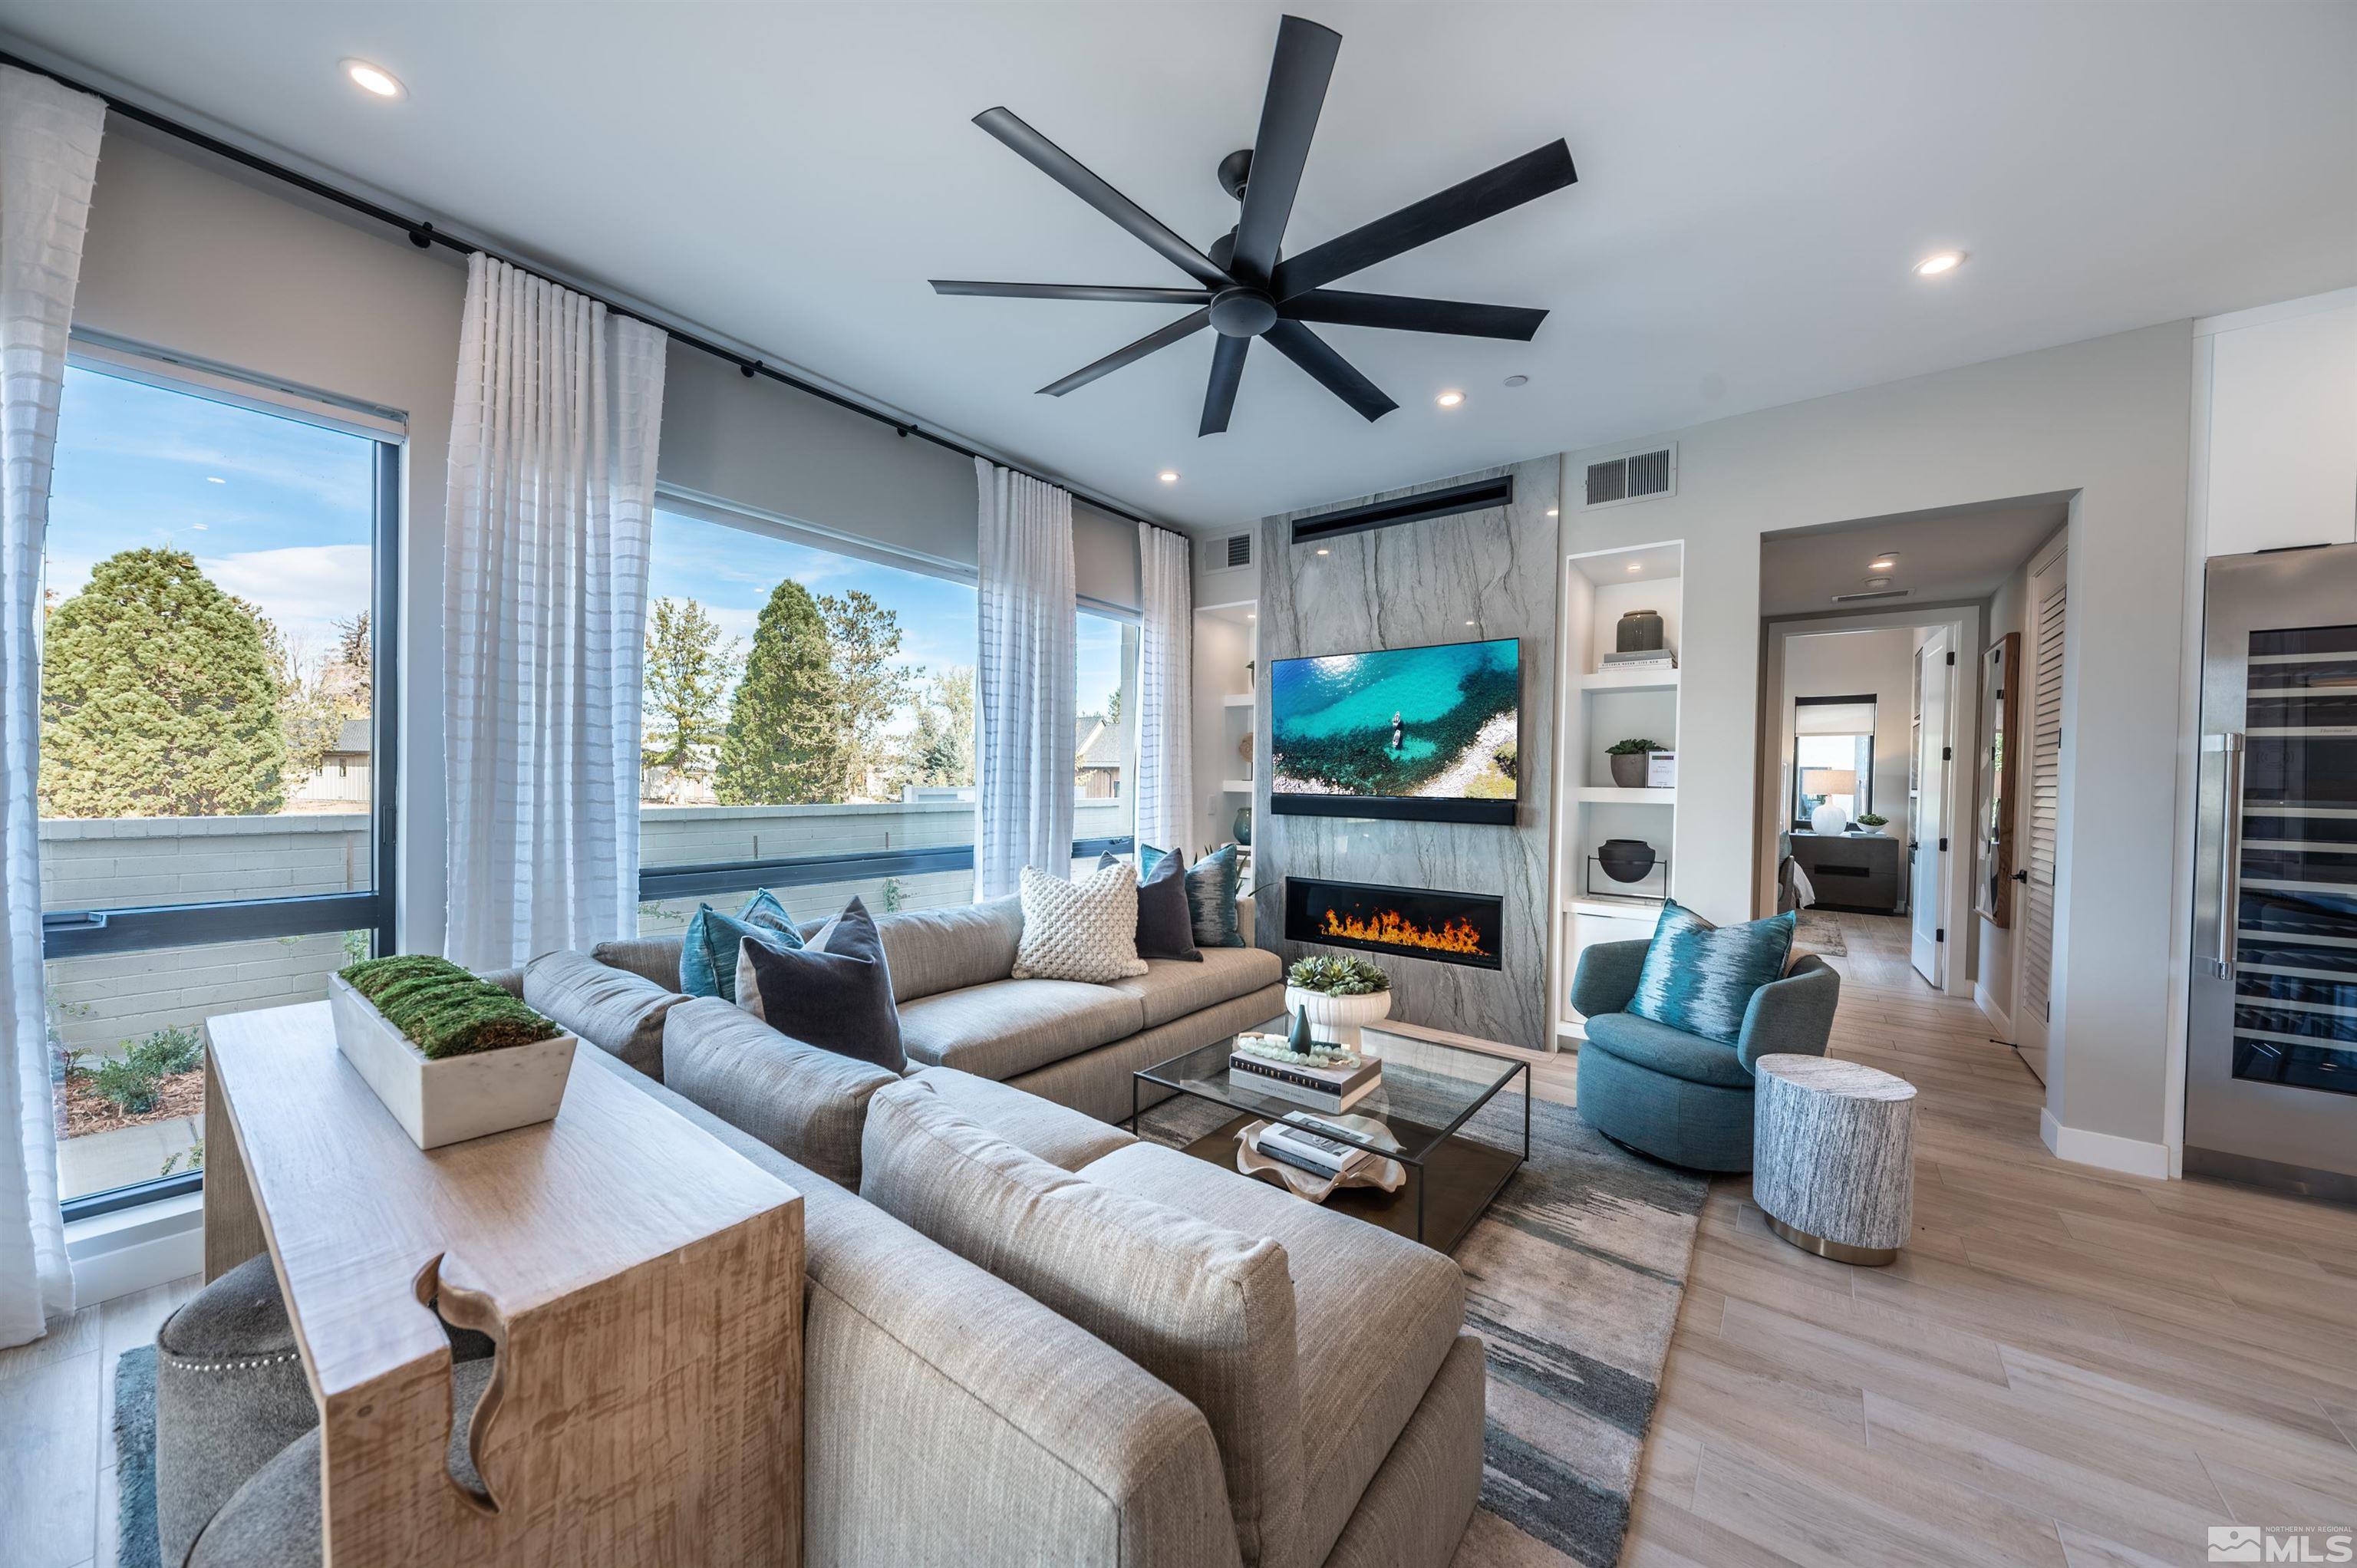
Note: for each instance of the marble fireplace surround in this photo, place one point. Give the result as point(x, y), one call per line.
point(1476, 575)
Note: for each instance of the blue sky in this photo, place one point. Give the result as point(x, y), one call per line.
point(281, 513)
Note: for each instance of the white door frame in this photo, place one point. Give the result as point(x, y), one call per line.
point(1966, 630)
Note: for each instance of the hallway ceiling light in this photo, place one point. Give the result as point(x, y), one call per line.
point(374, 79)
point(1169, 476)
point(1939, 262)
point(1636, 566)
point(1450, 399)
point(1877, 582)
point(1882, 563)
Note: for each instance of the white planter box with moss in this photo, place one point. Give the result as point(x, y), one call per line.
point(467, 1059)
point(1339, 996)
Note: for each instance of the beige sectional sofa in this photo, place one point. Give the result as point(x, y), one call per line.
point(1030, 1336)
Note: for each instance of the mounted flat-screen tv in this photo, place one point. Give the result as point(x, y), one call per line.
point(1424, 734)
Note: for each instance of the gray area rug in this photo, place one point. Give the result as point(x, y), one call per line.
point(1574, 1278)
point(1819, 933)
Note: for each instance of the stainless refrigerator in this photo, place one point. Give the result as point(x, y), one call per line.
point(2271, 1071)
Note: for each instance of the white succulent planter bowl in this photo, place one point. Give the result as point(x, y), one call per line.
point(457, 1098)
point(1338, 1019)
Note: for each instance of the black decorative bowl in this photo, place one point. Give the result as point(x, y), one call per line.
point(1625, 860)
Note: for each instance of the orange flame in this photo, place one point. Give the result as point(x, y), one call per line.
point(1389, 927)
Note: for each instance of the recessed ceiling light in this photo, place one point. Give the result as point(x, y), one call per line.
point(1636, 566)
point(1939, 262)
point(1518, 380)
point(1450, 399)
point(1877, 582)
point(1882, 564)
point(374, 79)
point(1169, 476)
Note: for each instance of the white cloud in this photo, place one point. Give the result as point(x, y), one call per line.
point(304, 588)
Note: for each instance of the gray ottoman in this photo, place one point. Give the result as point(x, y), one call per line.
point(230, 1394)
point(1833, 1157)
point(274, 1520)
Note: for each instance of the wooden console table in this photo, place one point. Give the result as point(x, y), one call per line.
point(643, 1282)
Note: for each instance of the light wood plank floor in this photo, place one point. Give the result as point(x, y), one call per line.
point(2067, 1368)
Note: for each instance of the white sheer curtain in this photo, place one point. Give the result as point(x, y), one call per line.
point(553, 443)
point(1165, 666)
point(48, 156)
point(1025, 702)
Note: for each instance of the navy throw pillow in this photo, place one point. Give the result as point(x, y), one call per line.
point(1166, 927)
point(836, 993)
point(1212, 885)
point(707, 955)
point(1699, 977)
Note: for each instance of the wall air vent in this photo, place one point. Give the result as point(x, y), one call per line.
point(1875, 594)
point(1634, 477)
point(1238, 551)
point(1420, 506)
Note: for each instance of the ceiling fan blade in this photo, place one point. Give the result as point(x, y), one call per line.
point(1161, 337)
point(1227, 374)
point(1073, 176)
point(1288, 119)
point(1501, 189)
point(1404, 313)
point(1113, 292)
point(1308, 350)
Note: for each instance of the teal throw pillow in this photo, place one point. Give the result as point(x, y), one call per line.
point(1699, 977)
point(1212, 883)
point(707, 956)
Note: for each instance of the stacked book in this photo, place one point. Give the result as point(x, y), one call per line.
point(1326, 1080)
point(1305, 1143)
point(1648, 658)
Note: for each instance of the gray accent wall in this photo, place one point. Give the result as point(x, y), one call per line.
point(1476, 577)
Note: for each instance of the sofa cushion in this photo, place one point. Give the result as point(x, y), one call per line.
point(708, 954)
point(1166, 927)
point(1355, 1286)
point(806, 1103)
point(1212, 883)
point(1699, 977)
point(1171, 991)
point(1056, 1133)
point(1079, 930)
point(834, 994)
point(617, 1011)
point(1014, 1026)
point(1209, 1311)
point(933, 950)
point(656, 958)
point(1671, 1052)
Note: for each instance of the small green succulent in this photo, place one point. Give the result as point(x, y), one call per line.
point(1634, 747)
point(1869, 819)
point(1340, 975)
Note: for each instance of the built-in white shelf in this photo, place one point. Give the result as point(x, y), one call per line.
point(1237, 786)
point(1238, 700)
point(1609, 907)
point(1614, 794)
point(1629, 681)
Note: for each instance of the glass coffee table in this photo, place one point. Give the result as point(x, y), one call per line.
point(1430, 1090)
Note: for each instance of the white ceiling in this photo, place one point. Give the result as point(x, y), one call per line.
point(1941, 557)
point(1755, 181)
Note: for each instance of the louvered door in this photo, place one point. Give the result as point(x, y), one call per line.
point(2050, 610)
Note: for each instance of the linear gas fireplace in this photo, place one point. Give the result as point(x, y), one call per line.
point(1406, 922)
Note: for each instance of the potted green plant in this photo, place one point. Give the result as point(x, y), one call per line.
point(1629, 761)
point(452, 1055)
point(1871, 822)
point(1338, 994)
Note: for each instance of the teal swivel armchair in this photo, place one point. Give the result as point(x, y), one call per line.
point(1679, 1097)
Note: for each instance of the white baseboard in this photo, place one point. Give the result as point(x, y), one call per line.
point(2105, 1151)
point(1997, 1014)
point(132, 1249)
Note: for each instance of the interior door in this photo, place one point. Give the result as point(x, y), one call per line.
point(1927, 825)
point(2271, 1067)
point(2050, 603)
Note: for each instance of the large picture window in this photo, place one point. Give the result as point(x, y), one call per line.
point(215, 755)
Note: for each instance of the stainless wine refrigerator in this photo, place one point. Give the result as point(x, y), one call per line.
point(2271, 1075)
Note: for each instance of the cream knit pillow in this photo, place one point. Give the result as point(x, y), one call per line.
point(1080, 930)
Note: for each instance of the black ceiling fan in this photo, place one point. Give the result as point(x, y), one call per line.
point(1244, 289)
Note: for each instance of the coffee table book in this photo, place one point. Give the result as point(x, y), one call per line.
point(1321, 1089)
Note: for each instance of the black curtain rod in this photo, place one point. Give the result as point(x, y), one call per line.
point(425, 236)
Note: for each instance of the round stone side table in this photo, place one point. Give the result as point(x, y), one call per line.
point(1833, 1157)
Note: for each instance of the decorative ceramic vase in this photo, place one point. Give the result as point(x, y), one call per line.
point(1242, 826)
point(1625, 860)
point(1639, 631)
point(1338, 1019)
point(1628, 769)
point(1828, 820)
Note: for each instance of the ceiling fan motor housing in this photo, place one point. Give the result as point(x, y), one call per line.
point(1242, 312)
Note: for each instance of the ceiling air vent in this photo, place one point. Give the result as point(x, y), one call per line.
point(1875, 594)
point(1635, 476)
point(1239, 549)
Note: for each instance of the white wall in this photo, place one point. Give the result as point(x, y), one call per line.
point(2105, 422)
point(1878, 665)
point(183, 255)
